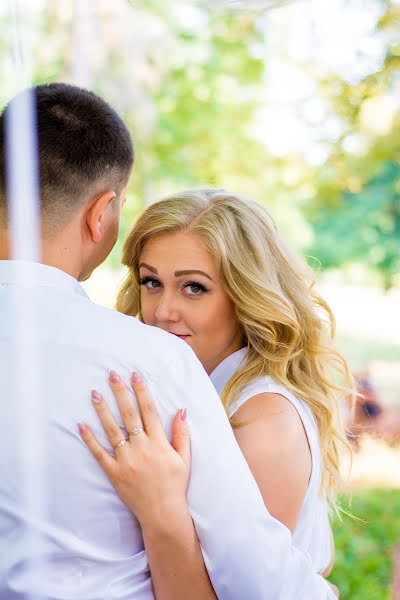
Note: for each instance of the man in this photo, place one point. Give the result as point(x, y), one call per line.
point(88, 545)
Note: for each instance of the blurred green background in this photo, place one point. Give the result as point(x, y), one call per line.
point(296, 104)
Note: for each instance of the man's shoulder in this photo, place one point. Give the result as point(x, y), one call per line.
point(118, 333)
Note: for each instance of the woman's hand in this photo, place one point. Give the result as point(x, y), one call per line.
point(150, 474)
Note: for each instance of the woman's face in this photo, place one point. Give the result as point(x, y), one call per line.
point(181, 292)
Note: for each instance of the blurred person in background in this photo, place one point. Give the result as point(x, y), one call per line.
point(368, 414)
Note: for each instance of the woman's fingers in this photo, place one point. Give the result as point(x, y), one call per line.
point(334, 589)
point(106, 461)
point(111, 428)
point(150, 418)
point(129, 414)
point(145, 467)
point(180, 437)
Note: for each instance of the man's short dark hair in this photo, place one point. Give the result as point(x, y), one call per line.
point(84, 149)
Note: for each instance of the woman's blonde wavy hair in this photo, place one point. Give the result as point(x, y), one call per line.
point(287, 327)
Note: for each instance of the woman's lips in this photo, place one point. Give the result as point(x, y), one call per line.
point(180, 335)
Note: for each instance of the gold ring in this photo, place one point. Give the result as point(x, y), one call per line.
point(136, 431)
point(121, 443)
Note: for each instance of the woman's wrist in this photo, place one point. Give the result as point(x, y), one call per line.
point(174, 554)
point(169, 520)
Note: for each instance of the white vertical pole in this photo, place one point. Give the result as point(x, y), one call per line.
point(22, 174)
point(24, 219)
point(81, 73)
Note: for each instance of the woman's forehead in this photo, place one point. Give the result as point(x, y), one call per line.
point(185, 247)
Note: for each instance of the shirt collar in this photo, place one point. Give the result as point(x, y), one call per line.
point(17, 272)
point(224, 371)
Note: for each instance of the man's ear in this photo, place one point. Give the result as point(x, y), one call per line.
point(96, 214)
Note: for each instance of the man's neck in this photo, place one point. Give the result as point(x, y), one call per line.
point(58, 254)
point(4, 245)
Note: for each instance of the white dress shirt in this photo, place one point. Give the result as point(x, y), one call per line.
point(88, 544)
point(312, 532)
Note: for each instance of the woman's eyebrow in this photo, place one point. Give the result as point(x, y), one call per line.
point(177, 273)
point(189, 272)
point(153, 269)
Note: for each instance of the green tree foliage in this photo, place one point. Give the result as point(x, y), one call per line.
point(206, 106)
point(190, 80)
point(355, 211)
point(362, 227)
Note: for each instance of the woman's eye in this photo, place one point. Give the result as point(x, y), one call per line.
point(195, 289)
point(151, 284)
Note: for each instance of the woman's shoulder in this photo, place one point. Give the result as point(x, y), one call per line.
point(281, 414)
point(279, 396)
point(263, 384)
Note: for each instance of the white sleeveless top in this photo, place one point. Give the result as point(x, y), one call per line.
point(312, 533)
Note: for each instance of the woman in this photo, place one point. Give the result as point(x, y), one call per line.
point(209, 266)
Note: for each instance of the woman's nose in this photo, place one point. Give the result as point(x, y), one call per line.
point(167, 309)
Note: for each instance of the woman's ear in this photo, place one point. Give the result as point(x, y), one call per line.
point(96, 214)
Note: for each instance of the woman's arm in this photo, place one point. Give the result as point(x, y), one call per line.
point(275, 445)
point(158, 498)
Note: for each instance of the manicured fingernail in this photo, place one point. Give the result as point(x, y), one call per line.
point(82, 428)
point(96, 396)
point(114, 377)
point(136, 378)
point(183, 414)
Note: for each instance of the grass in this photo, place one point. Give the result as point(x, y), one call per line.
point(364, 548)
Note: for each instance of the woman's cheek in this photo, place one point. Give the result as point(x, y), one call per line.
point(146, 313)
